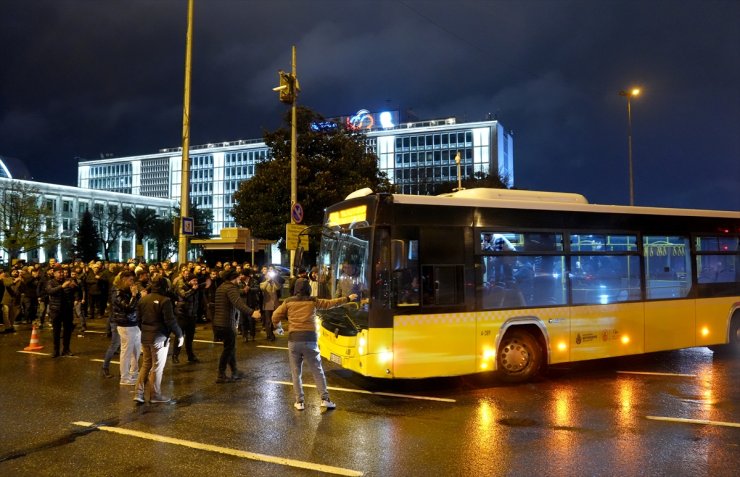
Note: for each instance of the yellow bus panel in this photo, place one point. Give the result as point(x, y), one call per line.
point(712, 319)
point(434, 345)
point(669, 324)
point(603, 331)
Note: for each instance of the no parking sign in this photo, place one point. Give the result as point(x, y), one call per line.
point(296, 213)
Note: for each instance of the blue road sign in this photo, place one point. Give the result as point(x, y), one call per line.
point(296, 212)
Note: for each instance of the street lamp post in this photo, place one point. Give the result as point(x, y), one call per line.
point(459, 175)
point(634, 92)
point(182, 249)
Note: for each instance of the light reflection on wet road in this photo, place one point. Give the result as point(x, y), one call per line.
point(581, 419)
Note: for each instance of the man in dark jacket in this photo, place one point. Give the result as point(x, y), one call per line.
point(155, 312)
point(253, 296)
point(186, 290)
point(228, 300)
point(125, 298)
point(61, 294)
point(96, 285)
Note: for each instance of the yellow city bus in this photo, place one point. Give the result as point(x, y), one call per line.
point(507, 281)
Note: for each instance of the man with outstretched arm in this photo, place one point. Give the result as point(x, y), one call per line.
point(157, 322)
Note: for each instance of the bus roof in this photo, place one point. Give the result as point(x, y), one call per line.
point(537, 200)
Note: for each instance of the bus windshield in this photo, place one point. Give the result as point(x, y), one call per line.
point(343, 260)
point(343, 271)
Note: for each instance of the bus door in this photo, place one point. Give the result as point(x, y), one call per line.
point(433, 334)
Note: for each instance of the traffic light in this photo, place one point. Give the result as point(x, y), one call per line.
point(287, 89)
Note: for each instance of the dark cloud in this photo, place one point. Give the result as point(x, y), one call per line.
point(84, 77)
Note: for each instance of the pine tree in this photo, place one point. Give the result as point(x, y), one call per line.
point(88, 239)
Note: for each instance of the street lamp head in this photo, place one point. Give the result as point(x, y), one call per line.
point(631, 93)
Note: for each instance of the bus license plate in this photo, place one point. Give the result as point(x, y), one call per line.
point(335, 358)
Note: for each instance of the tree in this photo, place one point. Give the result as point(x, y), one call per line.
point(139, 222)
point(162, 233)
point(331, 164)
point(88, 240)
point(25, 223)
point(110, 226)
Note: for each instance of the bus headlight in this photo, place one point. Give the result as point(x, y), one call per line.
point(362, 343)
point(489, 354)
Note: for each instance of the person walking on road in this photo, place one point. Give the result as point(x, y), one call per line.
point(61, 294)
point(125, 298)
point(96, 285)
point(270, 288)
point(228, 300)
point(303, 339)
point(11, 299)
point(186, 290)
point(157, 322)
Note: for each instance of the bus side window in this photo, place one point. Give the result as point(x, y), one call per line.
point(405, 279)
point(667, 266)
point(718, 266)
point(442, 284)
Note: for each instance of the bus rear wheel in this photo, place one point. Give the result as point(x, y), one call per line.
point(519, 357)
point(732, 348)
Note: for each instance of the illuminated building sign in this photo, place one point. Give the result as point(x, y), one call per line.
point(363, 120)
point(324, 126)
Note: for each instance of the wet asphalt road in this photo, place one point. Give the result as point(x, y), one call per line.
point(59, 417)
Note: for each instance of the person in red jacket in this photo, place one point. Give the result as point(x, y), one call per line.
point(303, 339)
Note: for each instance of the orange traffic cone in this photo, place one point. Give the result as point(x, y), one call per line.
point(34, 344)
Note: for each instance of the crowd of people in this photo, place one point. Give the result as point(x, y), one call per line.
point(144, 305)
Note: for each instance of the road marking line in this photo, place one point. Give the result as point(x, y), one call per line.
point(273, 347)
point(95, 332)
point(225, 450)
point(103, 361)
point(694, 421)
point(363, 391)
point(658, 374)
point(205, 341)
point(35, 352)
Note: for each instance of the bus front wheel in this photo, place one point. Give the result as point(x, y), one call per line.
point(519, 357)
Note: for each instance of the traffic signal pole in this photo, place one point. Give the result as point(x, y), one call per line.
point(288, 94)
point(182, 249)
point(293, 154)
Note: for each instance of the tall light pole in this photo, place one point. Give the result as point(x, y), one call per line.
point(288, 93)
point(634, 92)
point(182, 249)
point(459, 175)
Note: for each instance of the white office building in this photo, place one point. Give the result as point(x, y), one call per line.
point(413, 155)
point(68, 204)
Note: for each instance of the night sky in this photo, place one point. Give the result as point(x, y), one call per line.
point(80, 78)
